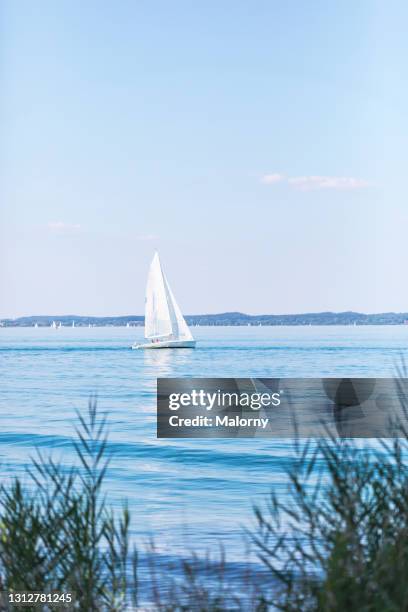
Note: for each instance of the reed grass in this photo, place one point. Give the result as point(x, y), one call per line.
point(339, 539)
point(57, 532)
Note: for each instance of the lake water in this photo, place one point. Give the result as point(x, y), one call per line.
point(187, 493)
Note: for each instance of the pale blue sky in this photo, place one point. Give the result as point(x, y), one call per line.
point(197, 128)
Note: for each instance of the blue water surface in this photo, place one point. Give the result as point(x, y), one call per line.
point(185, 493)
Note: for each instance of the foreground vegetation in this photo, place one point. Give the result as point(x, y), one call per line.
point(340, 541)
point(337, 540)
point(59, 534)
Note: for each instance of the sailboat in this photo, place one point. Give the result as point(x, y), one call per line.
point(165, 326)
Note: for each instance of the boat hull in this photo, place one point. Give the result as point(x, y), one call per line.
point(166, 344)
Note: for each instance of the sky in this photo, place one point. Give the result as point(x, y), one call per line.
point(260, 146)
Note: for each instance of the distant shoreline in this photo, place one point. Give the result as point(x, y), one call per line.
point(224, 319)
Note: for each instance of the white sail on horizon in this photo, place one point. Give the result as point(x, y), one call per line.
point(163, 318)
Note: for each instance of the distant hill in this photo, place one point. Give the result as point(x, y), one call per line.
point(225, 318)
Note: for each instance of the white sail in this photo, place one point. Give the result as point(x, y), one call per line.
point(163, 318)
point(179, 325)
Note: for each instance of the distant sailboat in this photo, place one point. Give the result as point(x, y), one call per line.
point(73, 323)
point(165, 326)
point(54, 325)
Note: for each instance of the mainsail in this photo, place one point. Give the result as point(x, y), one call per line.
point(163, 318)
